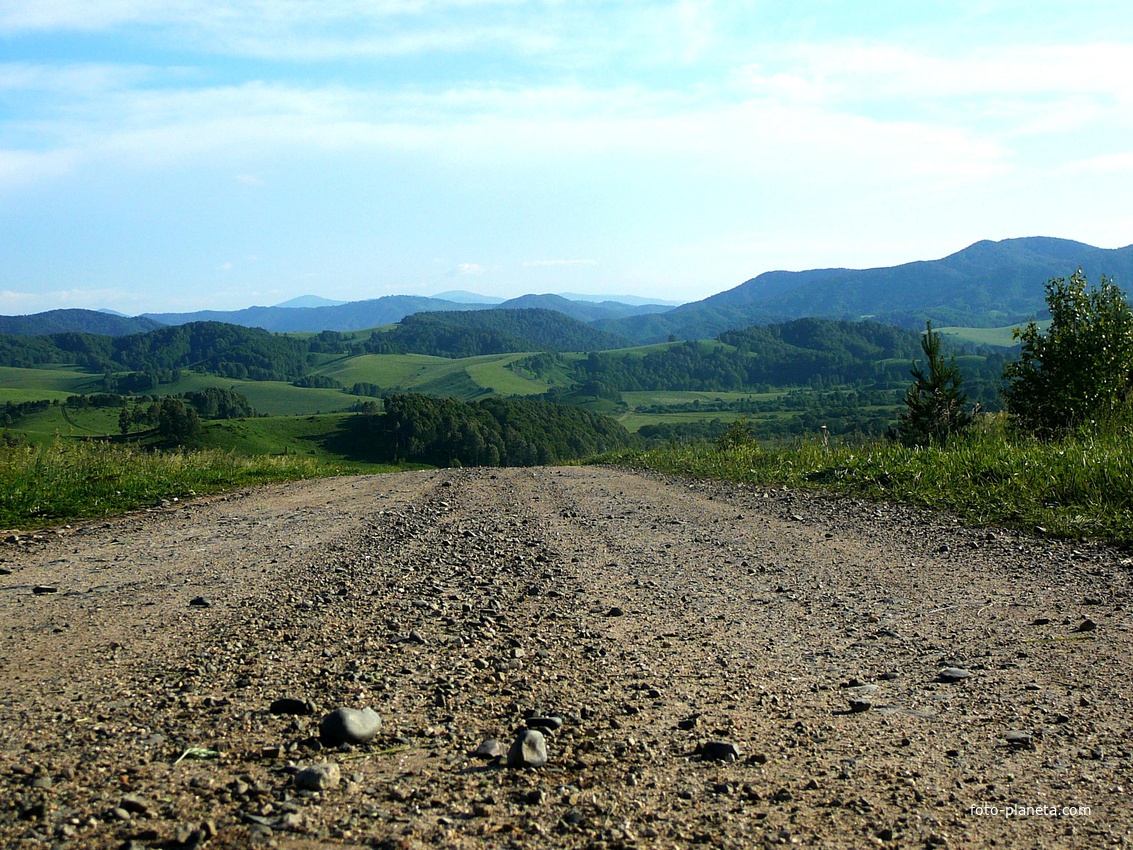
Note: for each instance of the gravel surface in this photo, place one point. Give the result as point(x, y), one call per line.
point(704, 664)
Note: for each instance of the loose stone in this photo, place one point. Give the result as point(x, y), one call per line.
point(724, 751)
point(528, 750)
point(200, 602)
point(954, 674)
point(349, 726)
point(318, 777)
point(490, 749)
point(290, 705)
point(549, 722)
point(41, 589)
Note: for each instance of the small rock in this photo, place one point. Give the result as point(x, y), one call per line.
point(860, 704)
point(689, 723)
point(318, 777)
point(4, 571)
point(1021, 740)
point(1041, 621)
point(134, 804)
point(615, 612)
point(41, 589)
point(200, 602)
point(550, 723)
point(954, 674)
point(529, 750)
point(724, 751)
point(490, 749)
point(290, 705)
point(1087, 626)
point(349, 726)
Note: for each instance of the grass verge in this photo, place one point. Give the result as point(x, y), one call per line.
point(1079, 487)
point(42, 485)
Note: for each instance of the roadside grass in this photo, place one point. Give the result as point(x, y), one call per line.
point(1078, 487)
point(48, 484)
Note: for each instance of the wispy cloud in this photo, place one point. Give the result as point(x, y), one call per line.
point(467, 270)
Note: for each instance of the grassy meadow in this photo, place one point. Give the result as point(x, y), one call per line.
point(1077, 487)
point(48, 484)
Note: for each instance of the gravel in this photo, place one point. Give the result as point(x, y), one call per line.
point(131, 717)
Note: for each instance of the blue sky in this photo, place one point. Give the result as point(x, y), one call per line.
point(169, 155)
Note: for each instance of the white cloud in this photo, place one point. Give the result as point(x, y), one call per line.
point(250, 180)
point(467, 269)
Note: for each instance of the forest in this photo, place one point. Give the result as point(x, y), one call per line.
point(491, 432)
point(473, 333)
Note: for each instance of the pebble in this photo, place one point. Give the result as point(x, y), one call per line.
point(615, 612)
point(290, 705)
point(1087, 626)
point(954, 674)
point(318, 777)
point(549, 723)
point(1016, 738)
point(200, 602)
point(349, 726)
point(859, 704)
point(41, 589)
point(724, 751)
point(490, 749)
point(528, 750)
point(134, 804)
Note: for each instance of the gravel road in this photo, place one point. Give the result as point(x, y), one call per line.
point(731, 667)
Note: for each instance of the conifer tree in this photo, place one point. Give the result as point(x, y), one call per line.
point(934, 403)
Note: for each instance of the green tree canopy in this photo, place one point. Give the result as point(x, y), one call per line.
point(1079, 374)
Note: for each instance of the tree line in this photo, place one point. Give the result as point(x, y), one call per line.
point(490, 432)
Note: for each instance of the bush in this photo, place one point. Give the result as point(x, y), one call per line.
point(1079, 374)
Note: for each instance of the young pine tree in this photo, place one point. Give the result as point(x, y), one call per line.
point(934, 403)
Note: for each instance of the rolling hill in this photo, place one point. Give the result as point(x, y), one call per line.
point(76, 321)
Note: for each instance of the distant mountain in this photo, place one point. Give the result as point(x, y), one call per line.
point(988, 284)
point(352, 316)
point(310, 301)
point(584, 311)
point(462, 296)
point(76, 321)
point(471, 334)
point(634, 300)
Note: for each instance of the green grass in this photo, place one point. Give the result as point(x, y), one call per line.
point(1080, 487)
point(43, 485)
point(1000, 337)
point(68, 381)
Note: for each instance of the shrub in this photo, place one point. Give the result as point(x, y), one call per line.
point(1079, 374)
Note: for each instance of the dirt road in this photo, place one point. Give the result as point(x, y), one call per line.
point(805, 635)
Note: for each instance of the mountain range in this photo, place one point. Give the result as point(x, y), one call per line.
point(988, 284)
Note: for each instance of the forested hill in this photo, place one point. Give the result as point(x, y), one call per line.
point(75, 321)
point(470, 334)
point(789, 354)
point(222, 349)
point(988, 284)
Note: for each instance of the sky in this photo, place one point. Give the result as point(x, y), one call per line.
point(176, 155)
